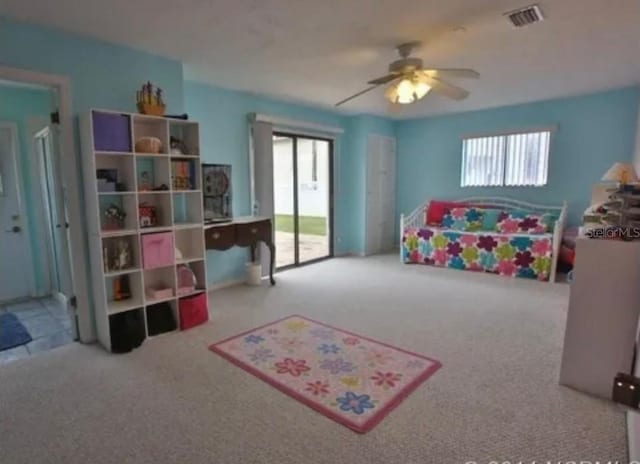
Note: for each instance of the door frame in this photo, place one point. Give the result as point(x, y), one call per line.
point(367, 230)
point(22, 209)
point(69, 160)
point(36, 128)
point(294, 136)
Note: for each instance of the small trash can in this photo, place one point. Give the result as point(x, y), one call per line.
point(254, 274)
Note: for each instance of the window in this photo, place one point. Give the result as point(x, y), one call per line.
point(520, 159)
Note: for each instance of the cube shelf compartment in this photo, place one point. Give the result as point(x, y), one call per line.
point(117, 175)
point(120, 164)
point(160, 284)
point(120, 255)
point(123, 292)
point(188, 246)
point(149, 126)
point(187, 208)
point(161, 204)
point(184, 174)
point(153, 172)
point(188, 133)
point(162, 318)
point(127, 330)
point(125, 203)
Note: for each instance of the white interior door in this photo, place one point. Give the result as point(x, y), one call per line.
point(380, 194)
point(16, 267)
point(54, 201)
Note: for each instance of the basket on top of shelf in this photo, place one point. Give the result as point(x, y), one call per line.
point(151, 145)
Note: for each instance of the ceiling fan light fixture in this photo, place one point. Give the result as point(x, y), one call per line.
point(421, 89)
point(405, 92)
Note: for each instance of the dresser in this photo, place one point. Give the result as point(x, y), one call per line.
point(602, 320)
point(246, 231)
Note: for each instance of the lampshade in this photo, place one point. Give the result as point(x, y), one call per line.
point(621, 172)
point(405, 92)
point(408, 90)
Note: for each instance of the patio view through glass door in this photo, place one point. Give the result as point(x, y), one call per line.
point(302, 191)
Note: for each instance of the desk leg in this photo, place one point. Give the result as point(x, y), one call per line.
point(272, 251)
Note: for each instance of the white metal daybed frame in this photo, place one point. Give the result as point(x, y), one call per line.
point(416, 220)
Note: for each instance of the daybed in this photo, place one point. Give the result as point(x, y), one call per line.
point(497, 235)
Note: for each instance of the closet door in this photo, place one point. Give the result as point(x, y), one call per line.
point(388, 194)
point(380, 194)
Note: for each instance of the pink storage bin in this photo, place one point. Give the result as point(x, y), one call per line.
point(157, 250)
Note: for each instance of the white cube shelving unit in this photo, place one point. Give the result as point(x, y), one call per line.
point(179, 210)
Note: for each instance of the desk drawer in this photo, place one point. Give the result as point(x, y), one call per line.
point(220, 237)
point(249, 233)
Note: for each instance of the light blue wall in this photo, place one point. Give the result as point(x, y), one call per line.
point(593, 132)
point(102, 75)
point(222, 115)
point(18, 105)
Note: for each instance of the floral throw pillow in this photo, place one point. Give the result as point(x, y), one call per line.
point(465, 219)
point(522, 222)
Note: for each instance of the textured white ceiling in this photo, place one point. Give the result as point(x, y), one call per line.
point(318, 52)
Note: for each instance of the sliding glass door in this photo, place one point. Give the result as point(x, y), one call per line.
point(302, 184)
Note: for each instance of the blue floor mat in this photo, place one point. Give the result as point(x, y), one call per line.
point(12, 332)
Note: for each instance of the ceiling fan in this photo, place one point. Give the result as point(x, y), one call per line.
point(410, 81)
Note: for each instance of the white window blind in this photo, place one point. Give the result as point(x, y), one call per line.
point(520, 159)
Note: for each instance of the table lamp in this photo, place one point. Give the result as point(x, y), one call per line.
point(623, 173)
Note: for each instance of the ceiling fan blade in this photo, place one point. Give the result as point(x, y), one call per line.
point(452, 72)
point(362, 92)
point(383, 79)
point(446, 89)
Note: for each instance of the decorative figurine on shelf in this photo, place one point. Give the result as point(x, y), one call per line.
point(121, 288)
point(145, 182)
point(124, 255)
point(114, 217)
point(178, 147)
point(147, 215)
point(150, 101)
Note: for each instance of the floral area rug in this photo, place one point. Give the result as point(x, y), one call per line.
point(353, 380)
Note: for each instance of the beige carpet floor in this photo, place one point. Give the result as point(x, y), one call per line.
point(173, 401)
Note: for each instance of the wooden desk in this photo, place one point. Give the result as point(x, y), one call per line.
point(245, 232)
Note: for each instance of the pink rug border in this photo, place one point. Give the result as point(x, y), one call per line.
point(368, 425)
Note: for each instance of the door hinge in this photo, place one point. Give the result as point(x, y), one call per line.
point(73, 302)
point(55, 117)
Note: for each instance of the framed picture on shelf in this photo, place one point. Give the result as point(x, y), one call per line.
point(216, 192)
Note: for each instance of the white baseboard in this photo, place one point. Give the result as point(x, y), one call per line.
point(633, 435)
point(225, 284)
point(349, 255)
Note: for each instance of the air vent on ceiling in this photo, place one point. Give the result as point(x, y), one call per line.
point(525, 16)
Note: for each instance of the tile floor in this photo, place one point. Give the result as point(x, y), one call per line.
point(46, 320)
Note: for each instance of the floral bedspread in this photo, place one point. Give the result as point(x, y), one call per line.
point(505, 254)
